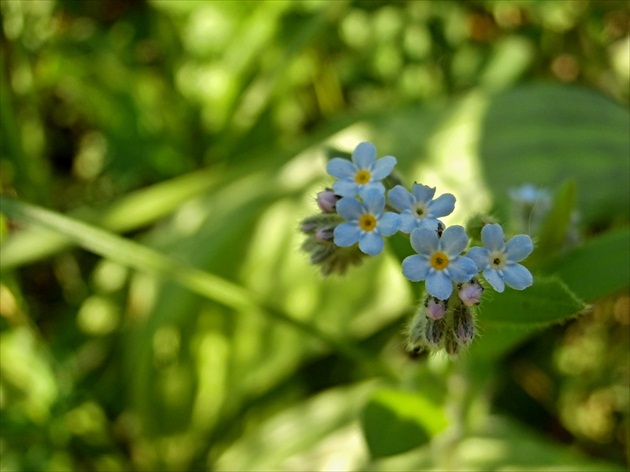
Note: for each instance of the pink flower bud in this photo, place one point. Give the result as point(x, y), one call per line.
point(327, 201)
point(324, 235)
point(435, 308)
point(308, 227)
point(470, 293)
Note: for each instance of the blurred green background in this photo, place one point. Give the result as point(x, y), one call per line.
point(160, 316)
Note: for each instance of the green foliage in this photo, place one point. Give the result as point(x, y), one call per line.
point(560, 132)
point(555, 227)
point(597, 268)
point(155, 160)
point(397, 421)
point(548, 301)
point(501, 442)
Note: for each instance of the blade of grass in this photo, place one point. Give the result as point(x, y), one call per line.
point(205, 284)
point(144, 206)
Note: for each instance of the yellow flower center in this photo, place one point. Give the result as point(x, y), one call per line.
point(439, 260)
point(367, 222)
point(362, 177)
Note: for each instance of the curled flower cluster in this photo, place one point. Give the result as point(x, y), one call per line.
point(354, 222)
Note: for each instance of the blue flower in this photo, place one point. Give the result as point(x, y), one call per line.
point(499, 260)
point(362, 174)
point(438, 260)
point(365, 222)
point(417, 208)
point(528, 194)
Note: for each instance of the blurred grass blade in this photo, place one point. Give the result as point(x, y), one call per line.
point(137, 256)
point(128, 253)
point(554, 230)
point(129, 212)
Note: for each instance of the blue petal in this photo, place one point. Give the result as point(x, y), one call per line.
point(415, 268)
point(350, 208)
point(492, 237)
point(442, 205)
point(371, 243)
point(479, 255)
point(494, 279)
point(364, 189)
point(519, 247)
point(423, 193)
point(517, 276)
point(364, 155)
point(341, 168)
point(388, 223)
point(454, 240)
point(462, 269)
point(400, 198)
point(428, 223)
point(383, 167)
point(346, 188)
point(408, 222)
point(424, 241)
point(373, 200)
point(346, 234)
point(439, 285)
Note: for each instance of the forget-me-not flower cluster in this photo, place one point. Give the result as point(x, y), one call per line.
point(363, 208)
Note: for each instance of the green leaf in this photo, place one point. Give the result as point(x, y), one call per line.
point(542, 133)
point(599, 267)
point(396, 421)
point(546, 302)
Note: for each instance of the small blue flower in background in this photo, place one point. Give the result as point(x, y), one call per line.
point(363, 173)
point(418, 208)
point(438, 260)
point(365, 222)
point(499, 260)
point(529, 194)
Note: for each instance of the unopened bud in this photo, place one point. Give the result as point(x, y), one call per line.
point(470, 293)
point(324, 235)
point(327, 201)
point(321, 253)
point(308, 227)
point(451, 346)
point(435, 308)
point(463, 325)
point(312, 224)
point(434, 331)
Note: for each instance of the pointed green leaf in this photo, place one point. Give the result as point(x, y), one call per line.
point(556, 224)
point(546, 302)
